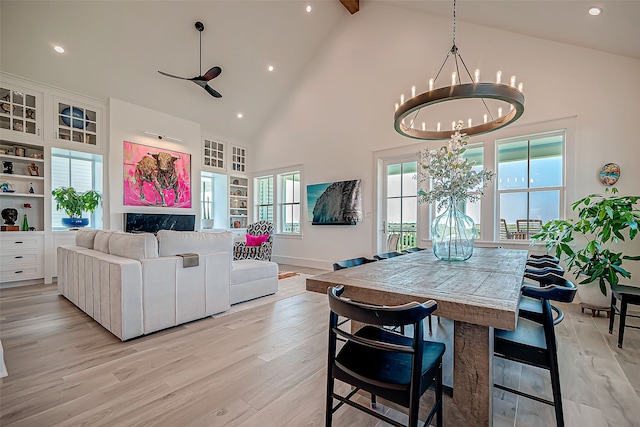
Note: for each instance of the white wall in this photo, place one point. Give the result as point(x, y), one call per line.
point(128, 122)
point(342, 110)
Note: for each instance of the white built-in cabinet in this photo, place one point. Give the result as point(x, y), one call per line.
point(33, 119)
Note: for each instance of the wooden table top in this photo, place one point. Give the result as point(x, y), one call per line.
point(484, 290)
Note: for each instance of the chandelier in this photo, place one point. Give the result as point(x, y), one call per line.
point(408, 120)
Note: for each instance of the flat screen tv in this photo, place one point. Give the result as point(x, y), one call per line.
point(151, 223)
point(335, 203)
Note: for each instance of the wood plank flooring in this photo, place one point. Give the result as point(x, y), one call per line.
point(260, 367)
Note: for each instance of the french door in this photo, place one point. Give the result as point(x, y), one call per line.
point(399, 205)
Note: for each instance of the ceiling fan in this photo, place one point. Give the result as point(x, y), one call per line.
point(203, 79)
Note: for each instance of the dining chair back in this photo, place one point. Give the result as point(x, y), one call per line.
point(388, 255)
point(383, 363)
point(348, 263)
point(529, 226)
point(414, 249)
point(392, 242)
point(534, 341)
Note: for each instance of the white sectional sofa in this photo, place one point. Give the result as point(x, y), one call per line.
point(135, 284)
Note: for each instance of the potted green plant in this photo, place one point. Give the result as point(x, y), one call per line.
point(587, 243)
point(74, 203)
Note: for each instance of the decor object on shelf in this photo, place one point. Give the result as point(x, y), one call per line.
point(33, 169)
point(17, 126)
point(10, 216)
point(335, 203)
point(19, 151)
point(156, 177)
point(25, 223)
point(80, 119)
point(451, 177)
point(74, 203)
point(7, 188)
point(203, 79)
point(609, 174)
point(603, 221)
point(8, 167)
point(407, 112)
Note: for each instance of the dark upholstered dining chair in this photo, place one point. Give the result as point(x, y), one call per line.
point(388, 255)
point(348, 263)
point(534, 340)
point(383, 363)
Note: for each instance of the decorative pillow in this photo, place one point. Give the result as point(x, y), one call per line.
point(85, 238)
point(101, 240)
point(133, 245)
point(256, 240)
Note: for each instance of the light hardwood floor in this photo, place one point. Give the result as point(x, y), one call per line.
point(259, 367)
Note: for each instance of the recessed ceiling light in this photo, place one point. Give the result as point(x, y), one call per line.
point(270, 68)
point(239, 115)
point(59, 49)
point(308, 9)
point(595, 11)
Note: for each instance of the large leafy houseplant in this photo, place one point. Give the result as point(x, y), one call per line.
point(602, 221)
point(74, 203)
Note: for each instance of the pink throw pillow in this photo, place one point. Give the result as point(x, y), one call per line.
point(256, 240)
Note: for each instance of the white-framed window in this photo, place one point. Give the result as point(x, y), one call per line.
point(207, 197)
point(289, 186)
point(82, 171)
point(264, 195)
point(529, 182)
point(278, 199)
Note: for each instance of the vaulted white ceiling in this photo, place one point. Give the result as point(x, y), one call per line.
point(115, 48)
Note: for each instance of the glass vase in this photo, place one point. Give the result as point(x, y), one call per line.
point(452, 234)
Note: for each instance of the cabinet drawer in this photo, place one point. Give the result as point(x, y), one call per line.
point(21, 273)
point(20, 242)
point(26, 258)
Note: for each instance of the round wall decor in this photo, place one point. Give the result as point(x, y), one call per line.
point(609, 174)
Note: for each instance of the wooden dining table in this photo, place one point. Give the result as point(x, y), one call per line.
point(479, 294)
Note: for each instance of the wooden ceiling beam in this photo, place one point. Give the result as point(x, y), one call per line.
point(351, 5)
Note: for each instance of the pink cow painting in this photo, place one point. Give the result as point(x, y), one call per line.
point(156, 177)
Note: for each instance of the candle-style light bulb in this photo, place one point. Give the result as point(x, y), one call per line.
point(453, 125)
point(397, 106)
point(477, 75)
point(403, 124)
point(499, 77)
point(453, 78)
point(430, 84)
point(402, 99)
point(513, 81)
point(500, 112)
point(438, 127)
point(413, 91)
point(485, 118)
point(469, 123)
point(511, 107)
point(520, 85)
point(424, 126)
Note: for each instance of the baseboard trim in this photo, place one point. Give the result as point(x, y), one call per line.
point(303, 262)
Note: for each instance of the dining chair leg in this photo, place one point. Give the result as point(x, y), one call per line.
point(555, 387)
point(374, 405)
point(329, 404)
point(440, 409)
point(623, 321)
point(613, 312)
point(430, 328)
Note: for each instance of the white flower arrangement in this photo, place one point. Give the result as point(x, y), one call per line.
point(452, 176)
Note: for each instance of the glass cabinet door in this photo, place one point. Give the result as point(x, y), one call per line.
point(20, 111)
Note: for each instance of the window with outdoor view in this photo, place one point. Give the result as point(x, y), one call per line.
point(402, 204)
point(289, 187)
point(530, 183)
point(264, 193)
point(83, 172)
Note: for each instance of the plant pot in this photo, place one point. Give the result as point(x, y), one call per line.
point(590, 294)
point(75, 222)
point(206, 223)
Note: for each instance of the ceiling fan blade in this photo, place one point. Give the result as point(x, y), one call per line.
point(175, 77)
point(212, 73)
point(212, 91)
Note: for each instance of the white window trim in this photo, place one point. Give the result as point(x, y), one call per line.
point(489, 207)
point(277, 214)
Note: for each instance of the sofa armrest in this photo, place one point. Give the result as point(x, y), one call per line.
point(173, 295)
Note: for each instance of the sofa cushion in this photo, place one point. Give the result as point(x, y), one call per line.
point(85, 237)
point(250, 270)
point(101, 240)
point(134, 245)
point(180, 242)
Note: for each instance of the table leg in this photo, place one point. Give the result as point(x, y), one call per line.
point(473, 373)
